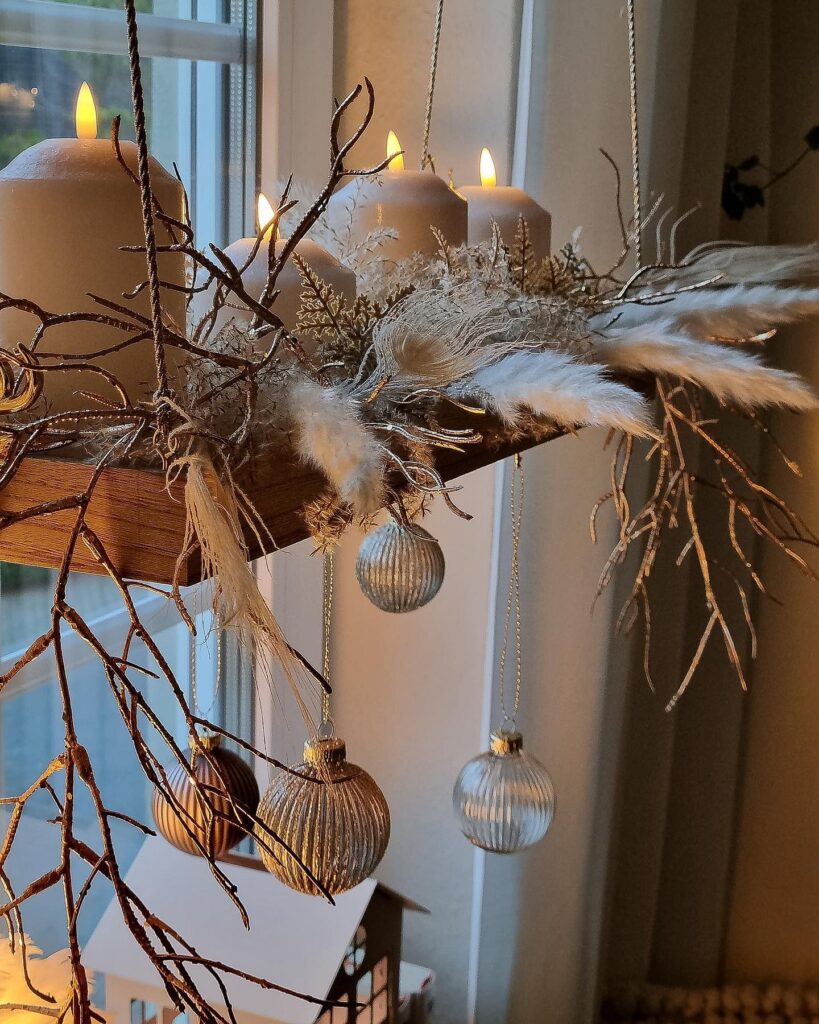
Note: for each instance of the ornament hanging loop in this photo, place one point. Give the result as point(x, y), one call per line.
point(326, 729)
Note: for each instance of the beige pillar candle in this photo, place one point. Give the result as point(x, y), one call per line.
point(288, 284)
point(66, 208)
point(505, 205)
point(412, 202)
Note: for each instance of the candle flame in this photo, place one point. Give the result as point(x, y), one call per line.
point(86, 114)
point(264, 212)
point(488, 177)
point(394, 154)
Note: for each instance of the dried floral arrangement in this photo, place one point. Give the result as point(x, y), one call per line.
point(481, 346)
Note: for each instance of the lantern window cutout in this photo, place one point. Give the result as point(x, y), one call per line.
point(355, 951)
point(143, 1012)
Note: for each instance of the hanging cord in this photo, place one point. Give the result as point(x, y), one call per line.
point(635, 134)
point(192, 669)
point(516, 495)
point(144, 175)
point(326, 728)
point(426, 159)
point(220, 633)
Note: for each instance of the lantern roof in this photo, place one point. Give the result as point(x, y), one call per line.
point(294, 940)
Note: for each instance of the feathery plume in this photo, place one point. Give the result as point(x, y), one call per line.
point(730, 374)
point(331, 436)
point(734, 312)
point(552, 385)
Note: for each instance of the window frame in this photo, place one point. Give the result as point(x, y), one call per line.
point(46, 25)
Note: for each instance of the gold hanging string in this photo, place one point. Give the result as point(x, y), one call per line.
point(426, 159)
point(326, 726)
point(192, 670)
point(193, 675)
point(516, 496)
point(635, 134)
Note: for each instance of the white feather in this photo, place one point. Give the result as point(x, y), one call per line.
point(744, 264)
point(213, 519)
point(734, 312)
point(436, 336)
point(729, 373)
point(331, 436)
point(552, 385)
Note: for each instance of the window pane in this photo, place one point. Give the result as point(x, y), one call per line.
point(188, 119)
point(31, 727)
point(201, 117)
point(197, 10)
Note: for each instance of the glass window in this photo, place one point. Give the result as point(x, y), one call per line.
point(199, 79)
point(142, 1012)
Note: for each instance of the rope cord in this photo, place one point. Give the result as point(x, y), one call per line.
point(426, 159)
point(144, 176)
point(635, 133)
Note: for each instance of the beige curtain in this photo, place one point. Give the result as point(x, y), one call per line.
point(714, 875)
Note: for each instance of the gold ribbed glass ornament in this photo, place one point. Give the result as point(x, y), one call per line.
point(504, 798)
point(239, 803)
point(332, 816)
point(400, 569)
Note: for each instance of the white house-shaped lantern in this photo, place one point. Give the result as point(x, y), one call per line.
point(349, 953)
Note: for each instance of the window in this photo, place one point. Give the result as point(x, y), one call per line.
point(354, 957)
point(142, 1012)
point(199, 79)
point(198, 64)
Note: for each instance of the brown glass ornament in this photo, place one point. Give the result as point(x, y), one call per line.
point(228, 774)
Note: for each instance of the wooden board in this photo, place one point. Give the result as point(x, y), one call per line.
point(141, 522)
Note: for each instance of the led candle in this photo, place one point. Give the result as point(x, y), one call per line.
point(66, 209)
point(505, 205)
point(411, 202)
point(289, 284)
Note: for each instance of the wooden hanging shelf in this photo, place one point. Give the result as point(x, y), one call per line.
point(141, 522)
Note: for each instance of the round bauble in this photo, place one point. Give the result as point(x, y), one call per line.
point(221, 772)
point(332, 816)
point(504, 799)
point(400, 568)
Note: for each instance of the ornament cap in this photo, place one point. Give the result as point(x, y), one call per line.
point(330, 751)
point(503, 743)
point(210, 741)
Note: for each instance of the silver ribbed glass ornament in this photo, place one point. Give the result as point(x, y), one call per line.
point(332, 816)
point(400, 569)
point(234, 778)
point(504, 798)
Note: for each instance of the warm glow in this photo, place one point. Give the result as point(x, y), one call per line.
point(86, 114)
point(264, 212)
point(394, 154)
point(488, 177)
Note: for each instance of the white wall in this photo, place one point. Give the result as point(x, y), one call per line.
point(410, 689)
point(476, 84)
